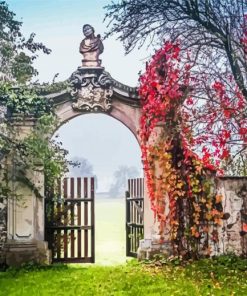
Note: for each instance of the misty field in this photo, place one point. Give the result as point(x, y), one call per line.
point(110, 231)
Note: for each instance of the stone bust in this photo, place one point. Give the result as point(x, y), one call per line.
point(91, 47)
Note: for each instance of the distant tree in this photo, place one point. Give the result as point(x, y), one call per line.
point(121, 176)
point(80, 166)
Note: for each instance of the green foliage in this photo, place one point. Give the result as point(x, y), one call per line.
point(25, 104)
point(204, 277)
point(54, 87)
point(23, 100)
point(36, 149)
point(22, 68)
point(14, 63)
point(238, 166)
point(10, 28)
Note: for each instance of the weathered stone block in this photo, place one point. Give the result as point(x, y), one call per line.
point(18, 253)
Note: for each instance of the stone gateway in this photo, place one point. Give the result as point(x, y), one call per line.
point(94, 90)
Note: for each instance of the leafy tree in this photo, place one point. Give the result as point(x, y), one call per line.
point(121, 176)
point(15, 62)
point(21, 102)
point(211, 38)
point(16, 69)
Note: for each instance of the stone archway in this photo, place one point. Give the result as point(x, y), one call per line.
point(92, 90)
point(81, 101)
point(95, 91)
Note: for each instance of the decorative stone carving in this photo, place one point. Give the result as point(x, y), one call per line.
point(91, 47)
point(92, 90)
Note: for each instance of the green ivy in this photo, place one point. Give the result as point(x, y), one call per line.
point(37, 149)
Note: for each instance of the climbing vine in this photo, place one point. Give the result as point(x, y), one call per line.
point(28, 104)
point(180, 183)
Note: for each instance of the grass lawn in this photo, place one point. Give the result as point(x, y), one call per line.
point(200, 278)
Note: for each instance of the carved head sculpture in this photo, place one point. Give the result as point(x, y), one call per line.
point(91, 47)
point(88, 30)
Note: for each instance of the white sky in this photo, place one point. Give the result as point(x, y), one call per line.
point(105, 142)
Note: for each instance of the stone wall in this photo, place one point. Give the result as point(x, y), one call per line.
point(3, 228)
point(233, 234)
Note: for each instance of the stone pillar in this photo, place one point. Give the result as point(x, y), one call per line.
point(25, 231)
point(151, 243)
point(25, 226)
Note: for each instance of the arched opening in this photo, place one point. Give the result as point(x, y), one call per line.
point(110, 152)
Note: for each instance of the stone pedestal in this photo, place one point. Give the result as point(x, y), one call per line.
point(20, 252)
point(91, 63)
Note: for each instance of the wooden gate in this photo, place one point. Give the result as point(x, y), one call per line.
point(134, 215)
point(70, 229)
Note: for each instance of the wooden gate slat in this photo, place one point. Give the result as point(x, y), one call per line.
point(79, 217)
point(92, 220)
point(65, 217)
point(128, 229)
point(59, 238)
point(72, 205)
point(86, 217)
point(134, 215)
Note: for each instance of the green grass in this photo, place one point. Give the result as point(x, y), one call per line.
point(205, 277)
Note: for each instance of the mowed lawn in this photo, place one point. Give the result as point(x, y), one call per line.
point(200, 278)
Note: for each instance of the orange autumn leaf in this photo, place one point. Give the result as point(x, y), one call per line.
point(244, 227)
point(194, 232)
point(218, 221)
point(218, 198)
point(180, 185)
point(214, 212)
